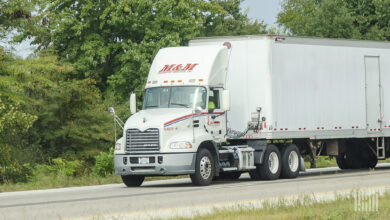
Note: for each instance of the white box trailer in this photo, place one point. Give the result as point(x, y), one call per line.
point(226, 105)
point(308, 88)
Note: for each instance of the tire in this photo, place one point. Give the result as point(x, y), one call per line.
point(270, 169)
point(341, 161)
point(230, 175)
point(204, 168)
point(372, 163)
point(290, 161)
point(133, 181)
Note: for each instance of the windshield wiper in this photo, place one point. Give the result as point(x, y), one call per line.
point(180, 104)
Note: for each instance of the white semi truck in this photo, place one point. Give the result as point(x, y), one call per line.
point(227, 105)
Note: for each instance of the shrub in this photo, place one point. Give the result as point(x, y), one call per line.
point(104, 164)
point(60, 167)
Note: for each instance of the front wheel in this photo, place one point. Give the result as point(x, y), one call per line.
point(271, 167)
point(133, 181)
point(204, 168)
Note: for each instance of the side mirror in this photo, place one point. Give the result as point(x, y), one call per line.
point(225, 100)
point(111, 110)
point(133, 104)
point(198, 110)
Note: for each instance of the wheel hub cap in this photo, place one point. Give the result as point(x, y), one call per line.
point(205, 167)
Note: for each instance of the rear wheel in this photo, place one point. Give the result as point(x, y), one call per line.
point(204, 168)
point(271, 167)
point(290, 161)
point(133, 181)
point(341, 161)
point(359, 154)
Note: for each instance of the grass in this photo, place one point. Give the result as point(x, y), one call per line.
point(343, 208)
point(323, 161)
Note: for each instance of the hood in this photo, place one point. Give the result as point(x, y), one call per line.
point(156, 118)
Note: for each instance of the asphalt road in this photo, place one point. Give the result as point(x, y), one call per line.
point(115, 200)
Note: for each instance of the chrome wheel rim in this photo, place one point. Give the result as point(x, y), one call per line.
point(293, 161)
point(205, 167)
point(273, 162)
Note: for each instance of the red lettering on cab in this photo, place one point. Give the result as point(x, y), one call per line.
point(175, 68)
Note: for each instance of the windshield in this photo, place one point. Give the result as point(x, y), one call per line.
point(175, 97)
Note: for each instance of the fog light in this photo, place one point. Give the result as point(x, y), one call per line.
point(124, 160)
point(160, 159)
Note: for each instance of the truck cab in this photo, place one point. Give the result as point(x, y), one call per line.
point(183, 118)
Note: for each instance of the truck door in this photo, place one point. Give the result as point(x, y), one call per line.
point(373, 94)
point(216, 120)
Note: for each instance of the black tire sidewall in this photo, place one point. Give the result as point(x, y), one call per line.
point(197, 178)
point(133, 181)
point(341, 162)
point(286, 171)
point(264, 170)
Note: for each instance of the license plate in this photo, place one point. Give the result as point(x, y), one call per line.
point(144, 160)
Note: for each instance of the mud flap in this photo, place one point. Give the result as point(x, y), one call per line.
point(301, 164)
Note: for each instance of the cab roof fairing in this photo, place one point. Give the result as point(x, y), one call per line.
point(190, 65)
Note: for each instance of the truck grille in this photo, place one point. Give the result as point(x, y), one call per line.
point(141, 141)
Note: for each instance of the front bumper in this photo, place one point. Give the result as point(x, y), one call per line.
point(171, 164)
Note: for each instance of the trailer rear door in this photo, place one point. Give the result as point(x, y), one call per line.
point(373, 94)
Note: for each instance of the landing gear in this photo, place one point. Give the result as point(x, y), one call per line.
point(204, 168)
point(271, 167)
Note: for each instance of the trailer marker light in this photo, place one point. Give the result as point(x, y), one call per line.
point(172, 81)
point(165, 81)
point(300, 128)
point(149, 82)
point(281, 129)
point(322, 128)
point(335, 127)
point(179, 81)
point(318, 128)
point(353, 127)
point(357, 126)
point(304, 128)
point(275, 129)
point(339, 127)
point(200, 80)
point(286, 129)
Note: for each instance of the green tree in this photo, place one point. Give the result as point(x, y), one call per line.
point(70, 117)
point(14, 122)
point(113, 42)
point(357, 19)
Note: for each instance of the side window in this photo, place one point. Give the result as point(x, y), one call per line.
point(213, 99)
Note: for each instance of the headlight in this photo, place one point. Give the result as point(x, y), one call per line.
point(118, 146)
point(180, 145)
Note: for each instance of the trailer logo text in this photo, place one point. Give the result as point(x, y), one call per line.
point(178, 68)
